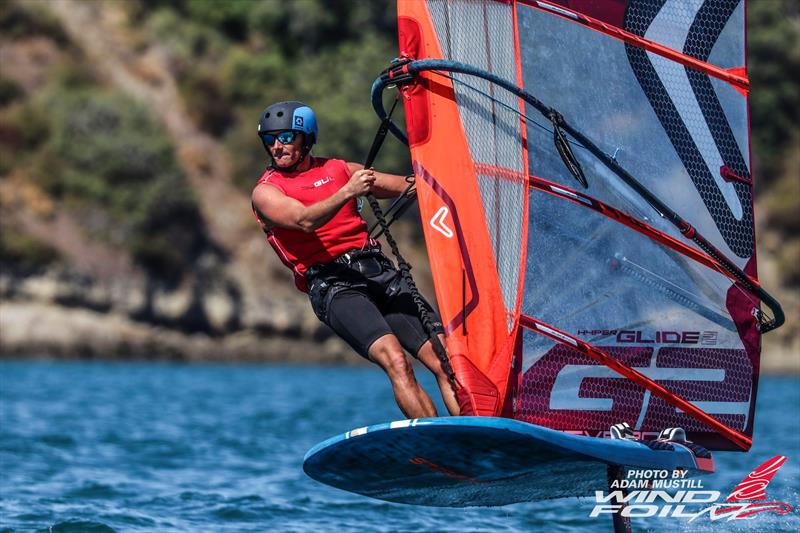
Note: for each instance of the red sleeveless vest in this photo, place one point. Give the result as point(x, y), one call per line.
point(346, 231)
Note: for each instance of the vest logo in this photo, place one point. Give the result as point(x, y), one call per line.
point(323, 181)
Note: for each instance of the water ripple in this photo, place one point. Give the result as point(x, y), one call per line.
point(164, 447)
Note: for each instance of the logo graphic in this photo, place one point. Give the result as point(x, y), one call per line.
point(323, 181)
point(437, 222)
point(298, 121)
point(561, 375)
point(652, 500)
point(752, 487)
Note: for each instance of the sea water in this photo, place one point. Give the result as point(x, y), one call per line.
point(98, 446)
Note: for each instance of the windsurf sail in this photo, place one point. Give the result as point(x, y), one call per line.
point(583, 175)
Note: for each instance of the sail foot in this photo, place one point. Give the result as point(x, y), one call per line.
point(477, 395)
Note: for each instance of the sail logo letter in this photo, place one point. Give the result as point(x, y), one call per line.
point(659, 337)
point(437, 222)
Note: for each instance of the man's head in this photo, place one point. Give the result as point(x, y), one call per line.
point(288, 130)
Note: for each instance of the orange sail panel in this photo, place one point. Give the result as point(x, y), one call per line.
point(470, 160)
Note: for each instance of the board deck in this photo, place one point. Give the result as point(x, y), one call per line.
point(480, 461)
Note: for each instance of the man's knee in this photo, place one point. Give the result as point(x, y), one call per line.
point(390, 356)
point(400, 370)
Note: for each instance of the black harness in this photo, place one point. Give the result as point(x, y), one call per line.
point(366, 269)
point(367, 262)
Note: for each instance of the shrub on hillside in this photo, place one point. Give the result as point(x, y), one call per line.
point(23, 128)
point(201, 91)
point(21, 251)
point(773, 45)
point(20, 21)
point(115, 164)
point(9, 91)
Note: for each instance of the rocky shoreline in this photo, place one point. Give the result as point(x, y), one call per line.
point(31, 329)
point(54, 316)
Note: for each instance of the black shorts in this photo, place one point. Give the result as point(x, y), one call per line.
point(362, 307)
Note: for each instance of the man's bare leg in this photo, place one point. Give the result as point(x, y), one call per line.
point(429, 358)
point(410, 397)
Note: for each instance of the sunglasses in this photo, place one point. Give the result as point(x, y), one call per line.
point(284, 137)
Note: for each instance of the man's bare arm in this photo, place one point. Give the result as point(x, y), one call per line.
point(386, 185)
point(277, 209)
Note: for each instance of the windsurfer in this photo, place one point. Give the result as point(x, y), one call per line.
point(307, 206)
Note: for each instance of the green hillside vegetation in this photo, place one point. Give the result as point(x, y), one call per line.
point(99, 153)
point(107, 159)
point(231, 59)
point(774, 46)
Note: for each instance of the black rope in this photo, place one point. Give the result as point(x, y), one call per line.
point(402, 264)
point(398, 208)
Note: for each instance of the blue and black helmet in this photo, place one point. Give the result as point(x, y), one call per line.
point(292, 115)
